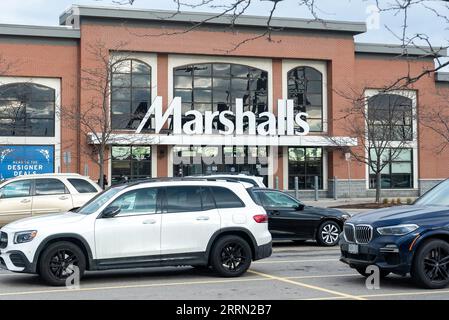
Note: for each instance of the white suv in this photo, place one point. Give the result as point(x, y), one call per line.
point(30, 195)
point(155, 223)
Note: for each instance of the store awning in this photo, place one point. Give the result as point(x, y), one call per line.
point(241, 140)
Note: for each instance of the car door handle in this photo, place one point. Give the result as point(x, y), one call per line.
point(202, 218)
point(275, 213)
point(150, 221)
point(63, 198)
point(25, 201)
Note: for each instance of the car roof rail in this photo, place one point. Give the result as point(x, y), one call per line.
point(133, 182)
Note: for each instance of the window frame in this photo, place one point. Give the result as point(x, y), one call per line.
point(131, 90)
point(251, 76)
point(410, 136)
point(390, 173)
point(25, 131)
point(131, 161)
point(305, 175)
point(289, 77)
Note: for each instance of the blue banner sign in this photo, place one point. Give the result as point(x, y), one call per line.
point(24, 160)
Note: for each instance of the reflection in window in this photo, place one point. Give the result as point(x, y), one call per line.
point(27, 109)
point(391, 117)
point(130, 93)
point(206, 160)
point(130, 162)
point(305, 87)
point(215, 86)
point(305, 163)
point(398, 174)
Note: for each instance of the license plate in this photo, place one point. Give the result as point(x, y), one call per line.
point(353, 248)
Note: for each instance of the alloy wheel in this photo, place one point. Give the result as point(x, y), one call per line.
point(233, 257)
point(62, 262)
point(329, 233)
point(436, 264)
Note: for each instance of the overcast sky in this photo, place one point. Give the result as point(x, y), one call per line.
point(421, 20)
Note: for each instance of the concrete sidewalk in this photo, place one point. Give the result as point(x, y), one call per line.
point(328, 202)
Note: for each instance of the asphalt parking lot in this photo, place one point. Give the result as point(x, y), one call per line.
point(292, 272)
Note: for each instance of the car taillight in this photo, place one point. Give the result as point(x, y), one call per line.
point(261, 218)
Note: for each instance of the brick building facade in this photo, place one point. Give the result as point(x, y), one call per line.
point(308, 62)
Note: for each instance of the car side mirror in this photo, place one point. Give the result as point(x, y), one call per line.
point(299, 207)
point(111, 212)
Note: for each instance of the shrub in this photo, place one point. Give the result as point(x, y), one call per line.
point(393, 201)
point(398, 201)
point(385, 201)
point(409, 201)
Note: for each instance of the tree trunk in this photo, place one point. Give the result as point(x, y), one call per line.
point(101, 167)
point(378, 186)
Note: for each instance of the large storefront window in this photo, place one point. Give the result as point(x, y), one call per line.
point(215, 86)
point(130, 162)
point(305, 163)
point(130, 93)
point(206, 160)
point(398, 174)
point(305, 87)
point(27, 109)
point(391, 116)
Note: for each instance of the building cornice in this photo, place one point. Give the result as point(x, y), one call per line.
point(210, 19)
point(394, 49)
point(39, 31)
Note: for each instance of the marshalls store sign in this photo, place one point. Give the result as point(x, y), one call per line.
point(285, 123)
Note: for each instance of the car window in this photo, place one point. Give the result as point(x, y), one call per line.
point(225, 198)
point(99, 200)
point(136, 202)
point(16, 189)
point(437, 196)
point(183, 199)
point(82, 186)
point(277, 200)
point(207, 199)
point(49, 187)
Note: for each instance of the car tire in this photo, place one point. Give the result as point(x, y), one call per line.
point(328, 233)
point(55, 260)
point(362, 271)
point(231, 256)
point(433, 273)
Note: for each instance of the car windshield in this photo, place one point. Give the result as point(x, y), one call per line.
point(437, 196)
point(100, 199)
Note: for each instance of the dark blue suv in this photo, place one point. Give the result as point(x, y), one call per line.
point(407, 239)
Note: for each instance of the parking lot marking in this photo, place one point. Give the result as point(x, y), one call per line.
point(297, 283)
point(294, 261)
point(130, 286)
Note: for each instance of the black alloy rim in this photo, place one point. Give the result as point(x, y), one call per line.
point(233, 257)
point(62, 262)
point(436, 264)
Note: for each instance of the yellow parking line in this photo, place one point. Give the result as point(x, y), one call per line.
point(341, 294)
point(129, 286)
point(294, 261)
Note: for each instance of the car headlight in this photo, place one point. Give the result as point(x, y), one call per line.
point(24, 236)
point(345, 216)
point(398, 230)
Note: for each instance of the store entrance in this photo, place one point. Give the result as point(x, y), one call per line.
point(208, 160)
